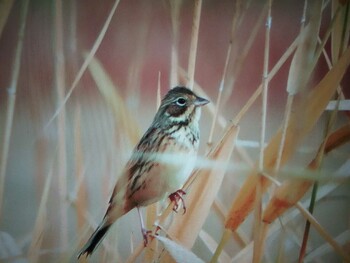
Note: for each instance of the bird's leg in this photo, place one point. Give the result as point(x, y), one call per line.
point(176, 197)
point(144, 231)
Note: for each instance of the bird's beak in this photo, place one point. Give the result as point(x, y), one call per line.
point(200, 101)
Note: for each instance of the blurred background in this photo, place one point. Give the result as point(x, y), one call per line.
point(93, 132)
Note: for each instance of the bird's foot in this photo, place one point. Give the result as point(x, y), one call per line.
point(145, 234)
point(176, 197)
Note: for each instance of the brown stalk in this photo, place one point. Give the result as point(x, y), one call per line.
point(11, 100)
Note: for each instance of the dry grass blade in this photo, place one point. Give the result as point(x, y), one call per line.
point(194, 42)
point(204, 187)
point(10, 110)
point(115, 101)
point(5, 8)
point(291, 191)
point(299, 125)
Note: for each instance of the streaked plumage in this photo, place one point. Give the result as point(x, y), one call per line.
point(160, 163)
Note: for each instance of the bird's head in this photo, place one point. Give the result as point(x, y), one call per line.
point(180, 105)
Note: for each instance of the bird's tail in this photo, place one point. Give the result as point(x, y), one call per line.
point(94, 240)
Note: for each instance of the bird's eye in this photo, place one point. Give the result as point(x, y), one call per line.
point(181, 102)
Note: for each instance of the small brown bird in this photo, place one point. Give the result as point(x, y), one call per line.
point(160, 163)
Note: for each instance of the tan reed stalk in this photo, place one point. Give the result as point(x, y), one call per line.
point(194, 42)
point(151, 210)
point(59, 80)
point(221, 89)
point(82, 193)
point(5, 8)
point(86, 63)
point(11, 99)
point(159, 93)
point(258, 225)
point(175, 8)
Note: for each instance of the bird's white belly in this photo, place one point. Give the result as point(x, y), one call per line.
point(166, 177)
point(178, 170)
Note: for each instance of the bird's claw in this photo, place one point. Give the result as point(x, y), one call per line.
point(145, 234)
point(176, 197)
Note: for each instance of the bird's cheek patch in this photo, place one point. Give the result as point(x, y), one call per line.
point(175, 110)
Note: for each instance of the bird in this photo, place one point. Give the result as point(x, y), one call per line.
point(159, 165)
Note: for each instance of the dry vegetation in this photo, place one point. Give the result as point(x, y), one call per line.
point(241, 207)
